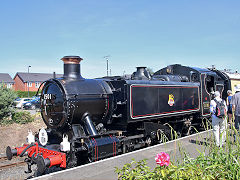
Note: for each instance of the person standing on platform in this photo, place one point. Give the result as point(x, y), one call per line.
point(229, 105)
point(236, 106)
point(218, 108)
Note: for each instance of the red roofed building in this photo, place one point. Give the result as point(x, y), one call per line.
point(23, 81)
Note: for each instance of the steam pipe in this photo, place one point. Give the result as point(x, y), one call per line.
point(89, 125)
point(29, 146)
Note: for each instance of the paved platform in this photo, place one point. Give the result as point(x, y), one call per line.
point(104, 169)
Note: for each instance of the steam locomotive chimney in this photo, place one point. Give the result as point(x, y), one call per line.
point(72, 67)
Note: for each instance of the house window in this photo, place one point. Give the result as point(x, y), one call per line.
point(37, 84)
point(9, 85)
point(29, 84)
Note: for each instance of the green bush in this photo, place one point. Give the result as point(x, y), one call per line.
point(24, 94)
point(7, 97)
point(22, 117)
point(6, 120)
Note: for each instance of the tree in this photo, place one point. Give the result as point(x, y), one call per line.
point(7, 97)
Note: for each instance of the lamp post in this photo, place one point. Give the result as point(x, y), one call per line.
point(28, 80)
point(106, 57)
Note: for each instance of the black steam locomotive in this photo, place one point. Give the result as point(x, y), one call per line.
point(91, 119)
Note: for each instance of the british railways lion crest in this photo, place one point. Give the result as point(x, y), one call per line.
point(171, 100)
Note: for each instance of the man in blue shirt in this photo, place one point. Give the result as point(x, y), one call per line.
point(236, 106)
point(228, 100)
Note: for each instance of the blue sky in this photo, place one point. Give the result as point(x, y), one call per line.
point(152, 33)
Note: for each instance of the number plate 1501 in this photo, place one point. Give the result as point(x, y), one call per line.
point(48, 96)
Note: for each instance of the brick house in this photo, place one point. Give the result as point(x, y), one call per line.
point(7, 80)
point(23, 81)
point(234, 78)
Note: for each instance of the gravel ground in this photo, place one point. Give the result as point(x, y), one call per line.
point(14, 172)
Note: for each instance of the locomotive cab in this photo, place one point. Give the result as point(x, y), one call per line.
point(209, 80)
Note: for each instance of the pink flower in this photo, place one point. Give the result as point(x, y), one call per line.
point(162, 159)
